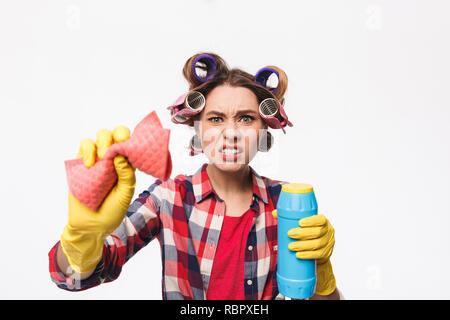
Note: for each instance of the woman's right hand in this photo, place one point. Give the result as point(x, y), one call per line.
point(82, 239)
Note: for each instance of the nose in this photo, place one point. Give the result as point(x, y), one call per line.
point(232, 135)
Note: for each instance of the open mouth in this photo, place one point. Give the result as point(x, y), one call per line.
point(231, 152)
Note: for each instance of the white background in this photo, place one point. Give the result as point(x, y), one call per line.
point(368, 95)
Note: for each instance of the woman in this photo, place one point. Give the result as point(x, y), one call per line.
point(216, 230)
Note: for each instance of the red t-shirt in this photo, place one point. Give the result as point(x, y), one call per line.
point(227, 274)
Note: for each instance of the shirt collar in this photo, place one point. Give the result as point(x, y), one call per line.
point(202, 186)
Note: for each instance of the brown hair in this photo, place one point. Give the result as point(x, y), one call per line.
point(234, 77)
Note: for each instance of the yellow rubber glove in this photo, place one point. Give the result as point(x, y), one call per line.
point(316, 236)
point(83, 236)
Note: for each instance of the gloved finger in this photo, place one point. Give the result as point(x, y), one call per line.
point(307, 233)
point(120, 134)
point(274, 213)
point(320, 255)
point(313, 221)
point(308, 255)
point(104, 141)
point(125, 172)
point(87, 151)
point(308, 245)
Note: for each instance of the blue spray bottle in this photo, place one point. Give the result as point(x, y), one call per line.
point(296, 278)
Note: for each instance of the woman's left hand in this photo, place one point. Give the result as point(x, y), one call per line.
point(316, 236)
point(316, 241)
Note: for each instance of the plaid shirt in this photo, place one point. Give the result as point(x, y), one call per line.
point(185, 214)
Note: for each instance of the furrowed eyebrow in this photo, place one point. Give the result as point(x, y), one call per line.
point(248, 111)
point(215, 112)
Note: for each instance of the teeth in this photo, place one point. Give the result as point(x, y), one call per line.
point(229, 151)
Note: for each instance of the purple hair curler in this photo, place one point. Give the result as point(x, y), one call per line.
point(211, 66)
point(263, 75)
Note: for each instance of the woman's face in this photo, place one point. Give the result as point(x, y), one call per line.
point(230, 126)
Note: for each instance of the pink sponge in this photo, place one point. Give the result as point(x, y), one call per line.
point(147, 150)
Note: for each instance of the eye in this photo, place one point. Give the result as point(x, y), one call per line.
point(248, 118)
point(215, 119)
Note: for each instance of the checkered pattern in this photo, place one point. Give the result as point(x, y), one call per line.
point(185, 215)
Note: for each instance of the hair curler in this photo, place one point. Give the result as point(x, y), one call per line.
point(187, 105)
point(211, 67)
point(263, 75)
point(272, 111)
point(296, 278)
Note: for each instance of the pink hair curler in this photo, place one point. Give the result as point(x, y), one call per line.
point(187, 105)
point(272, 111)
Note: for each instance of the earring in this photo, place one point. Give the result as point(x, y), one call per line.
point(265, 141)
point(196, 144)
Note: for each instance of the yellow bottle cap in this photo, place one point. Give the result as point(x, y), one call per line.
point(297, 188)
